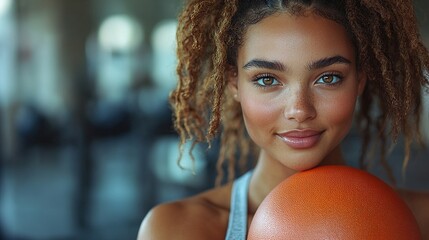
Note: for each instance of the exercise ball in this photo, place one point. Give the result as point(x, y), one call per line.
point(333, 202)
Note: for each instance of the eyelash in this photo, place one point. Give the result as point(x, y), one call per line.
point(260, 77)
point(334, 75)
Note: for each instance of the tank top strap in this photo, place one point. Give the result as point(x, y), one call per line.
point(237, 223)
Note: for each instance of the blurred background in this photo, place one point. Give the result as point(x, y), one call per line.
point(86, 140)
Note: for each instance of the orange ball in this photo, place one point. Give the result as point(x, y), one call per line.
point(333, 202)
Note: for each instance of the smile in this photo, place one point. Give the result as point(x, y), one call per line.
point(301, 139)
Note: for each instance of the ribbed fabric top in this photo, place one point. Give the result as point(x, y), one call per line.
point(237, 224)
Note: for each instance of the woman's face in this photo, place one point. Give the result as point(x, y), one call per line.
point(297, 84)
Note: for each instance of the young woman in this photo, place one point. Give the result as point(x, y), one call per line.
point(284, 77)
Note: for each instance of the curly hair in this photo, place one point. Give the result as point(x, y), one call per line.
point(389, 51)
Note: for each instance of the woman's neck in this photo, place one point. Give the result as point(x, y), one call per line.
point(268, 173)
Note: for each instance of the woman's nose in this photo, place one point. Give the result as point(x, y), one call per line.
point(299, 106)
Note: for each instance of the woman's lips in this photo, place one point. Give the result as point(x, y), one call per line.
point(301, 139)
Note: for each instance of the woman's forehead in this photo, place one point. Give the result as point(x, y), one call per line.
point(304, 36)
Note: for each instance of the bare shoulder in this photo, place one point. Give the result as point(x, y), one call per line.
point(418, 201)
point(204, 216)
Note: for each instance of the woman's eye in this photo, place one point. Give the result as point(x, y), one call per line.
point(266, 81)
point(329, 79)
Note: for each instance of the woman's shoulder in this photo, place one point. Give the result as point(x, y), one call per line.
point(203, 216)
point(418, 201)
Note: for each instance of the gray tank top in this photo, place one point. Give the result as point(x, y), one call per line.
point(237, 224)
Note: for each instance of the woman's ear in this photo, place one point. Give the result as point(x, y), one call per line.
point(232, 78)
point(362, 77)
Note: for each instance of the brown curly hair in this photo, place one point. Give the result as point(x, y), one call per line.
point(388, 46)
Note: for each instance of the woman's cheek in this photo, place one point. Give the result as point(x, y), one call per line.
point(259, 116)
point(339, 110)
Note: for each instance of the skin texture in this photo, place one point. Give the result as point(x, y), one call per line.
point(296, 97)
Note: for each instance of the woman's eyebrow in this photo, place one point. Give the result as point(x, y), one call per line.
point(275, 65)
point(259, 63)
point(325, 62)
